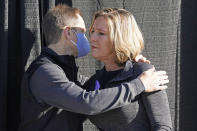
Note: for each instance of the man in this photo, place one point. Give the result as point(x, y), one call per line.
point(51, 88)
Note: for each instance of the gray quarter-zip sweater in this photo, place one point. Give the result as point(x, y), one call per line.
point(52, 98)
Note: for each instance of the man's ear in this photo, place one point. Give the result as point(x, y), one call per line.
point(66, 32)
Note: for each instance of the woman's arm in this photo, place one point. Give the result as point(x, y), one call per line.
point(156, 104)
point(157, 108)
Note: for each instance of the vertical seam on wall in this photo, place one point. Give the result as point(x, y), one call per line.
point(177, 76)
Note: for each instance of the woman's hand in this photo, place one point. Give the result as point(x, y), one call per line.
point(141, 58)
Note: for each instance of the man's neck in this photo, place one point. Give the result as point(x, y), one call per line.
point(60, 50)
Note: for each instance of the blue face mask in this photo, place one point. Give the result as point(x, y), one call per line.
point(83, 45)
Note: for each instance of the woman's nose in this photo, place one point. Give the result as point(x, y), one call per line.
point(92, 37)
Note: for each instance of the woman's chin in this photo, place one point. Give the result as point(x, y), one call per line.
point(95, 56)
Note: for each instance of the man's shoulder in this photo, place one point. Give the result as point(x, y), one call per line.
point(43, 64)
point(49, 68)
point(39, 61)
point(46, 75)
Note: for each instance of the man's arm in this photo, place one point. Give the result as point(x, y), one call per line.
point(50, 85)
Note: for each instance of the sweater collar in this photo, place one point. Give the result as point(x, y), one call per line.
point(61, 59)
point(128, 71)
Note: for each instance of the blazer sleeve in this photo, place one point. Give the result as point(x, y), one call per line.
point(156, 105)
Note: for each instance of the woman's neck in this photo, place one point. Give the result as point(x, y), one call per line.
point(112, 66)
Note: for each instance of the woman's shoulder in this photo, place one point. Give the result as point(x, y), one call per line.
point(140, 67)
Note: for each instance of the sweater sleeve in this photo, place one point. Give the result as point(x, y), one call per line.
point(50, 85)
point(156, 105)
point(157, 108)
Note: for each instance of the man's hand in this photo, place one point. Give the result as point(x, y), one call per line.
point(154, 80)
point(141, 58)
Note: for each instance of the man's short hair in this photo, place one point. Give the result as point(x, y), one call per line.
point(55, 20)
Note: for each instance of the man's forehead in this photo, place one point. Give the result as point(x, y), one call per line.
point(79, 29)
point(79, 24)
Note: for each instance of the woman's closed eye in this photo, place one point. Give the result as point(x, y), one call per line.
point(101, 33)
point(97, 32)
point(92, 31)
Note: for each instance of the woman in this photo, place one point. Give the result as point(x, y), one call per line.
point(116, 40)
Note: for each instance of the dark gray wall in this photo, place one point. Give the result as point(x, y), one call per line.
point(169, 28)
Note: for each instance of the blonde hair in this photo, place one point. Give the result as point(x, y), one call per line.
point(124, 33)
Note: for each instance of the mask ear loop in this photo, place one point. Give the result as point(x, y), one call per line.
point(73, 42)
point(75, 35)
point(74, 32)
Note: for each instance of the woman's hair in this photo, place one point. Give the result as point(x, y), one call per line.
point(124, 33)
